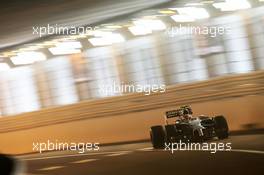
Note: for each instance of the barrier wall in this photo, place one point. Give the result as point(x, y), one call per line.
point(128, 118)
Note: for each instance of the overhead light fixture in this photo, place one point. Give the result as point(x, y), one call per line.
point(61, 51)
point(139, 30)
point(152, 24)
point(193, 12)
point(113, 26)
point(99, 41)
point(146, 26)
point(25, 58)
point(232, 5)
point(108, 39)
point(182, 18)
point(67, 47)
point(4, 67)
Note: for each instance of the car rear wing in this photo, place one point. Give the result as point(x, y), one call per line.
point(174, 113)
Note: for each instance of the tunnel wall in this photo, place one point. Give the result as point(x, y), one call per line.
point(128, 118)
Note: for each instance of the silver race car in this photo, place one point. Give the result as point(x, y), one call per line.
point(187, 128)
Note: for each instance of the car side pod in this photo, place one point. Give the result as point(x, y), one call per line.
point(221, 127)
point(10, 166)
point(157, 136)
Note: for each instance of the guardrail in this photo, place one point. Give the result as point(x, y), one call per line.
point(217, 88)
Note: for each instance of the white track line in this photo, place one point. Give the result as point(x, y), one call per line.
point(51, 168)
point(146, 149)
point(84, 161)
point(118, 153)
point(70, 155)
point(248, 151)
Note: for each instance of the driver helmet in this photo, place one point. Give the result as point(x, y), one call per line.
point(187, 110)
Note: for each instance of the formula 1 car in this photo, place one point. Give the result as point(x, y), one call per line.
point(187, 128)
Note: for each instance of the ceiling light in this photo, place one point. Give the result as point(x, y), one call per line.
point(99, 41)
point(25, 58)
point(67, 47)
point(113, 26)
point(232, 5)
point(146, 26)
point(182, 18)
point(151, 24)
point(139, 30)
point(108, 39)
point(193, 12)
point(61, 51)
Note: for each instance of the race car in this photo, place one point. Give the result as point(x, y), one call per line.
point(187, 128)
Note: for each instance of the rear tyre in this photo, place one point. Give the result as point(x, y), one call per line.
point(157, 136)
point(221, 127)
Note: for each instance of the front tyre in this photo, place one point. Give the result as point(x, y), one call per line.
point(221, 127)
point(157, 136)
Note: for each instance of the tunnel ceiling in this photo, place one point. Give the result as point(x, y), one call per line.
point(18, 17)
